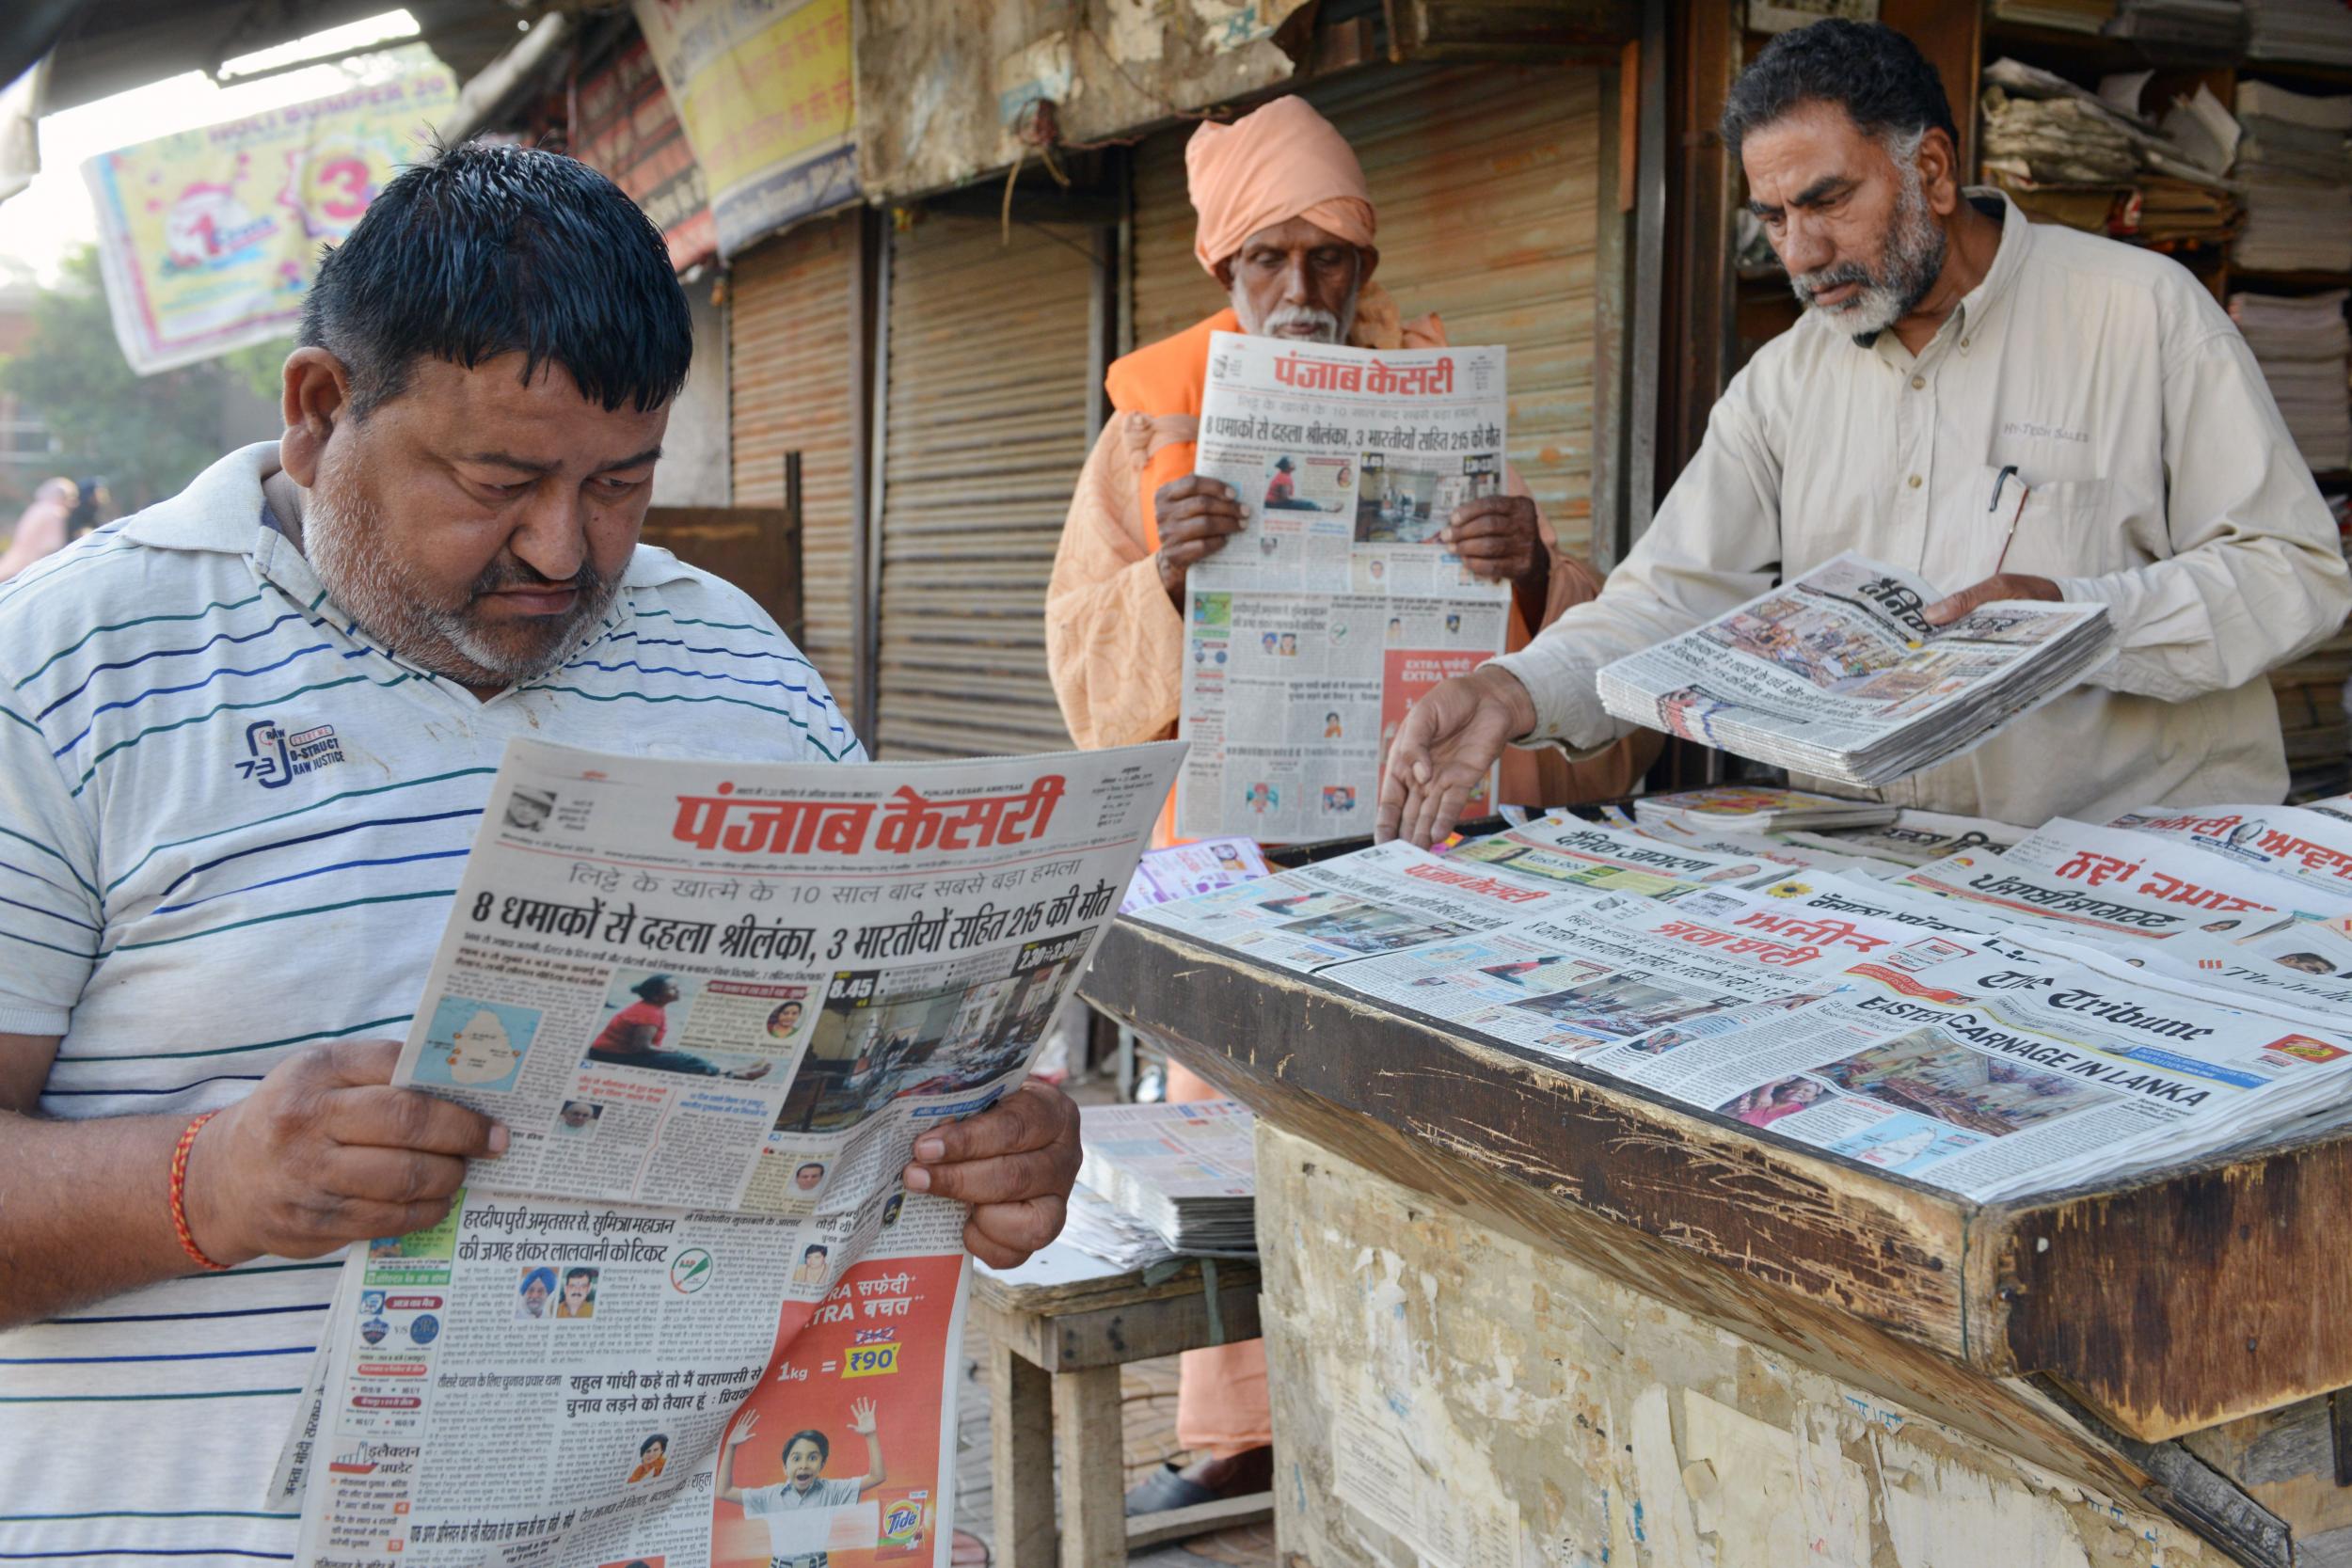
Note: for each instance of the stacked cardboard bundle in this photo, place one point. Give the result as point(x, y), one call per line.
point(2309, 32)
point(2303, 346)
point(2093, 160)
point(2294, 161)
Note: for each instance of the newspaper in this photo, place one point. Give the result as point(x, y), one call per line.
point(1838, 674)
point(1626, 967)
point(1334, 609)
point(1188, 1169)
point(1914, 837)
point(2113, 883)
point(1383, 899)
point(1757, 809)
point(1996, 1074)
point(2313, 848)
point(1565, 852)
point(715, 1004)
point(1182, 870)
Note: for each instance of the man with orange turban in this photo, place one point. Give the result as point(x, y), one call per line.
point(1286, 228)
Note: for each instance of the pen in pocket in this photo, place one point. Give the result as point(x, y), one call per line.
point(2024, 489)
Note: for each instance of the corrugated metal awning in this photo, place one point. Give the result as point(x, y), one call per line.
point(1485, 180)
point(789, 354)
point(990, 360)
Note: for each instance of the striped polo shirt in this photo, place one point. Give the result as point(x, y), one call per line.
point(231, 824)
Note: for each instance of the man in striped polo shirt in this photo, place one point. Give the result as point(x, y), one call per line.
point(244, 740)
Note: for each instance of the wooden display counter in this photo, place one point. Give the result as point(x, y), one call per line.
point(1519, 1313)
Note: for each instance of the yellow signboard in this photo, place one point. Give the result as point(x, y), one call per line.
point(765, 90)
point(208, 239)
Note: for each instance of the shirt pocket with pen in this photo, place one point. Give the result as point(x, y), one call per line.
point(2061, 529)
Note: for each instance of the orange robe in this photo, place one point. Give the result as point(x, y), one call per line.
point(1113, 642)
point(1115, 646)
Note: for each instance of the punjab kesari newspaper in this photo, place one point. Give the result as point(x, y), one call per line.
point(692, 1317)
point(1335, 607)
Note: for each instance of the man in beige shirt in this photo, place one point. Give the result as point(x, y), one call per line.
point(2012, 412)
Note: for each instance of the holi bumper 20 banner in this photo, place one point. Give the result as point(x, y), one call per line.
point(208, 239)
point(765, 90)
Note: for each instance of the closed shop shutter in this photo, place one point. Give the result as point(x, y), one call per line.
point(986, 431)
point(789, 343)
point(1487, 180)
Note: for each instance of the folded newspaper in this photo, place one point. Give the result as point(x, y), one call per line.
point(1838, 674)
point(715, 1004)
point(1750, 809)
point(1188, 1170)
point(1997, 1022)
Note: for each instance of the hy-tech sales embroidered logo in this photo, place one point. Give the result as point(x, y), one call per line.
point(276, 758)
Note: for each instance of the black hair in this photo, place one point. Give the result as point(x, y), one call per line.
point(824, 1449)
point(579, 1271)
point(816, 1246)
point(660, 1437)
point(652, 985)
point(1873, 73)
point(483, 250)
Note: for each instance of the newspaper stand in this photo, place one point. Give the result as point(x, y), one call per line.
point(1632, 1332)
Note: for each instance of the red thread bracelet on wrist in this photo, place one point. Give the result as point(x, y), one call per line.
point(179, 1196)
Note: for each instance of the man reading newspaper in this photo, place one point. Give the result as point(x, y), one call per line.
point(2009, 410)
point(248, 735)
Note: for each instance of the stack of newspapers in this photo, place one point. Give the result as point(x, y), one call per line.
point(1839, 675)
point(2032, 1010)
point(1757, 809)
point(1187, 1171)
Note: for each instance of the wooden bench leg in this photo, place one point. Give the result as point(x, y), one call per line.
point(1090, 1432)
point(1021, 1459)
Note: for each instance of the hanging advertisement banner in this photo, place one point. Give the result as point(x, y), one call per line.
point(764, 89)
point(208, 239)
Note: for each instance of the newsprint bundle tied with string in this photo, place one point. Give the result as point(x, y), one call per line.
point(715, 1004)
point(1838, 673)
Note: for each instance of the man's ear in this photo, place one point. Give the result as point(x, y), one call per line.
point(1224, 271)
point(1938, 163)
point(314, 397)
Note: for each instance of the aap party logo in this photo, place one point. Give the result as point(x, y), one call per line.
point(275, 757)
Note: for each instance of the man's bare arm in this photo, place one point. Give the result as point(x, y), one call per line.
point(83, 1205)
point(322, 1153)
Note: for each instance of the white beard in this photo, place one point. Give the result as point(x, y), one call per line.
point(342, 538)
point(1326, 328)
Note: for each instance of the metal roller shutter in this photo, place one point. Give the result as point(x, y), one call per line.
point(789, 340)
point(1487, 180)
point(985, 433)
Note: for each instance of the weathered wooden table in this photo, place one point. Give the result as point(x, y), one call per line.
point(1519, 1313)
point(1053, 1358)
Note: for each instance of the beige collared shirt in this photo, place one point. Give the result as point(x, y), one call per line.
point(2163, 482)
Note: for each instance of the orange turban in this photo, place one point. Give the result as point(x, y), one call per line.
point(1282, 162)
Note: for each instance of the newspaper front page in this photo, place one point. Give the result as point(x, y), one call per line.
point(692, 1317)
point(1998, 1073)
point(1378, 900)
point(2111, 882)
point(1839, 674)
point(1315, 627)
point(1627, 967)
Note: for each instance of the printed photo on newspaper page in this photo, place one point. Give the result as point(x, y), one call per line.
point(750, 986)
point(543, 1381)
point(1997, 1073)
point(1315, 627)
point(1382, 899)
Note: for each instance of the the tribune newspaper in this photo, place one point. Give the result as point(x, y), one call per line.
point(1315, 627)
point(691, 1318)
